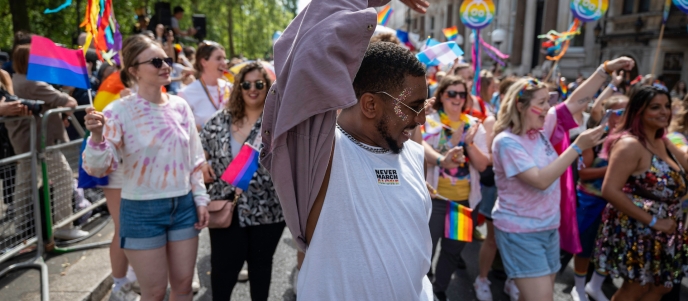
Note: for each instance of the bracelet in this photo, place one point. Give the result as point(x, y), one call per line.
point(613, 87)
point(605, 67)
point(439, 160)
point(577, 149)
point(653, 222)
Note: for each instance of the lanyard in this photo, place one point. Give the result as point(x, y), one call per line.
point(219, 95)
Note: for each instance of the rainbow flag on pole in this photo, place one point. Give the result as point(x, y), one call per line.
point(458, 224)
point(384, 14)
point(240, 171)
point(667, 8)
point(56, 65)
point(451, 33)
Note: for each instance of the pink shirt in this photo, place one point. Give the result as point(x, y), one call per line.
point(522, 208)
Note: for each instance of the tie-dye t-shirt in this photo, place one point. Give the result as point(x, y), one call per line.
point(522, 208)
point(160, 148)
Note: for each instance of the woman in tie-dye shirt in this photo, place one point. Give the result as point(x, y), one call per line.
point(164, 200)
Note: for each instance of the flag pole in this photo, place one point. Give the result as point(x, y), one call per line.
point(659, 43)
point(90, 97)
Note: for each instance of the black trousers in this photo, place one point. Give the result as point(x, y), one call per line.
point(232, 246)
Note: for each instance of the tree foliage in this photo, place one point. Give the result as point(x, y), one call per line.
point(253, 22)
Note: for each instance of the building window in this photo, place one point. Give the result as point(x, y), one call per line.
point(628, 7)
point(579, 40)
point(644, 6)
point(422, 25)
point(432, 23)
point(415, 23)
point(450, 15)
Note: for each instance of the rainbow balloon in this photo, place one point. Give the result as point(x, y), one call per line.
point(589, 10)
point(108, 91)
point(682, 5)
point(384, 14)
point(477, 14)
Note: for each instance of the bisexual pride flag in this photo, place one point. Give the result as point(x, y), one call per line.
point(56, 65)
point(384, 15)
point(451, 33)
point(458, 224)
point(240, 171)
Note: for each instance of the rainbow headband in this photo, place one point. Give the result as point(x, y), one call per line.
point(532, 83)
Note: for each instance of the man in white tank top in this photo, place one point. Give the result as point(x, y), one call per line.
point(367, 234)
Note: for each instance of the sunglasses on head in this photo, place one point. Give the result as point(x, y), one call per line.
point(258, 84)
point(453, 94)
point(157, 62)
point(618, 112)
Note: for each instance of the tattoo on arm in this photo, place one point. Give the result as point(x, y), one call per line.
point(585, 100)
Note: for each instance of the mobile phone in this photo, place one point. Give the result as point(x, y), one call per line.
point(606, 117)
point(553, 98)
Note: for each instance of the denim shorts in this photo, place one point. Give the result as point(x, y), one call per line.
point(529, 255)
point(488, 201)
point(150, 224)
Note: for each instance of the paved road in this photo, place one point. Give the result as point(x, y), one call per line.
point(461, 287)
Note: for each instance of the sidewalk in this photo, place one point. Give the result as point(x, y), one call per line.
point(75, 276)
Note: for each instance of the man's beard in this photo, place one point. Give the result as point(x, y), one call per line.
point(392, 144)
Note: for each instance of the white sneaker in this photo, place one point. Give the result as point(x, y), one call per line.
point(597, 295)
point(576, 296)
point(195, 286)
point(243, 275)
point(511, 289)
point(482, 289)
point(69, 234)
point(124, 294)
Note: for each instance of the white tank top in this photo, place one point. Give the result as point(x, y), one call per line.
point(372, 240)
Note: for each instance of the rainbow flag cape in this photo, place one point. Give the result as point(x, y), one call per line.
point(108, 91)
point(458, 224)
point(56, 65)
point(384, 14)
point(451, 33)
point(240, 171)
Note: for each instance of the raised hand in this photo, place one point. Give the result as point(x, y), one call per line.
point(417, 5)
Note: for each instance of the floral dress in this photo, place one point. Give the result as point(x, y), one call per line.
point(630, 249)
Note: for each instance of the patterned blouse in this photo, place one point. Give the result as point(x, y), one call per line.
point(259, 204)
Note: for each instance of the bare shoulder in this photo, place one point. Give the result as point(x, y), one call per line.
point(628, 147)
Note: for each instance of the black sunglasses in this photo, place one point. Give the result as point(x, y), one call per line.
point(247, 85)
point(157, 62)
point(453, 94)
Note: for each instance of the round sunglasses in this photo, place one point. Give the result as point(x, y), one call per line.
point(258, 84)
point(453, 94)
point(157, 62)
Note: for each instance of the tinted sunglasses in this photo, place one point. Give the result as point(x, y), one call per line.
point(618, 112)
point(157, 62)
point(453, 94)
point(258, 84)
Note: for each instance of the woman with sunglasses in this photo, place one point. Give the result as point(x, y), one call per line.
point(590, 204)
point(210, 92)
point(257, 224)
point(455, 148)
point(163, 205)
point(527, 169)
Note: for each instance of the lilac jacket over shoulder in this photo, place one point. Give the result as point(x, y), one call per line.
point(316, 60)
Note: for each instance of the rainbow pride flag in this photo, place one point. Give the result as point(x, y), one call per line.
point(451, 33)
point(458, 224)
point(108, 91)
point(563, 88)
point(56, 65)
point(665, 13)
point(240, 171)
point(384, 14)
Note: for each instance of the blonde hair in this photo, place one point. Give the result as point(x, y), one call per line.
point(518, 95)
point(678, 124)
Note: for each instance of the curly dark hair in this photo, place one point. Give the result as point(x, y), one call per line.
point(384, 67)
point(236, 105)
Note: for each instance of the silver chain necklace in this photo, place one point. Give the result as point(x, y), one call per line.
point(372, 149)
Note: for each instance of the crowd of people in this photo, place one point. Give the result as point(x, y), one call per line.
point(368, 176)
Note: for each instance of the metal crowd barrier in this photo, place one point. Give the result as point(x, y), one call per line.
point(59, 165)
point(20, 220)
